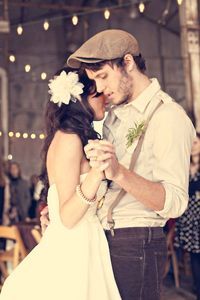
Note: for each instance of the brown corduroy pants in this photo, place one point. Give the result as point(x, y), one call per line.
point(138, 258)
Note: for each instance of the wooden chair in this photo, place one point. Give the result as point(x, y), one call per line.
point(171, 257)
point(16, 253)
point(36, 233)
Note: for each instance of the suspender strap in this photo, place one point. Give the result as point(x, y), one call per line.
point(110, 221)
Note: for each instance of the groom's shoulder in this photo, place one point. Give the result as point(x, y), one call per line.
point(170, 106)
point(172, 114)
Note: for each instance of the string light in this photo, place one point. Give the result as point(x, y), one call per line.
point(75, 20)
point(46, 25)
point(106, 14)
point(17, 134)
point(25, 135)
point(27, 68)
point(19, 29)
point(141, 7)
point(179, 2)
point(10, 156)
point(12, 58)
point(11, 134)
point(43, 75)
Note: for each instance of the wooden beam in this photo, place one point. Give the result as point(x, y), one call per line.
point(190, 49)
point(57, 6)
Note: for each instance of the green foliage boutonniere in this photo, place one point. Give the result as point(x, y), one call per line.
point(135, 132)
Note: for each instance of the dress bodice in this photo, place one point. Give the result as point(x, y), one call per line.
point(53, 202)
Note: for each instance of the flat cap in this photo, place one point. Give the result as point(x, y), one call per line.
point(105, 45)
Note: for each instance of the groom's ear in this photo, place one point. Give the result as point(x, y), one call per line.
point(129, 62)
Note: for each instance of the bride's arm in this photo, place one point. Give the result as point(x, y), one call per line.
point(67, 156)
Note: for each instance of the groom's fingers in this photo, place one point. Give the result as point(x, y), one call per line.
point(105, 142)
point(90, 146)
point(106, 148)
point(92, 154)
point(104, 156)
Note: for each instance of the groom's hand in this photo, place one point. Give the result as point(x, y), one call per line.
point(101, 154)
point(95, 155)
point(108, 159)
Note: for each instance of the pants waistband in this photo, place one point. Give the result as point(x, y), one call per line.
point(137, 232)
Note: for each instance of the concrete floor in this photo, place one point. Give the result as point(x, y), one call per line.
point(185, 292)
point(177, 294)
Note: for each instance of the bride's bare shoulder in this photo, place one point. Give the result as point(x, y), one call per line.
point(66, 143)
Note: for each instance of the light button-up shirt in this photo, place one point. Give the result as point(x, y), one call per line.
point(164, 157)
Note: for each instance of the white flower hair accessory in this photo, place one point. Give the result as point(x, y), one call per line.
point(65, 87)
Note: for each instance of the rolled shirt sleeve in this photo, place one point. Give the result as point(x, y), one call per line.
point(174, 135)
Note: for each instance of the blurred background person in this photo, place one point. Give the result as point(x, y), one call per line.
point(187, 230)
point(36, 188)
point(4, 200)
point(4, 196)
point(33, 183)
point(20, 195)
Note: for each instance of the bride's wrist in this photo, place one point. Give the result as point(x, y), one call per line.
point(99, 175)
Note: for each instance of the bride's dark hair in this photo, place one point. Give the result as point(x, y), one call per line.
point(76, 117)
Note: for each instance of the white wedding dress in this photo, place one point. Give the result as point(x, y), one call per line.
point(68, 264)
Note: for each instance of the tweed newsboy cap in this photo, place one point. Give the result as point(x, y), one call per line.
point(105, 45)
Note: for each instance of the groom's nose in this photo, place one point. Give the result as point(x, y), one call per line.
point(100, 87)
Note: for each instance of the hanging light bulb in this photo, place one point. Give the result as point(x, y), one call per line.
point(11, 134)
point(33, 136)
point(75, 20)
point(27, 68)
point(141, 7)
point(17, 134)
point(106, 14)
point(10, 156)
point(41, 136)
point(19, 29)
point(25, 135)
point(0, 133)
point(46, 25)
point(179, 2)
point(43, 75)
point(12, 58)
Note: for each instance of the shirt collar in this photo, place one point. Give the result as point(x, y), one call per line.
point(141, 102)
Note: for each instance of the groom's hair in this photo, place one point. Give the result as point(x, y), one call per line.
point(119, 62)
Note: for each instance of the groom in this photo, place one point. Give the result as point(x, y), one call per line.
point(156, 189)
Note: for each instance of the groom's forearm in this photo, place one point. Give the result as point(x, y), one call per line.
point(151, 194)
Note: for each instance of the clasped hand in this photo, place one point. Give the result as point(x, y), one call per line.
point(101, 155)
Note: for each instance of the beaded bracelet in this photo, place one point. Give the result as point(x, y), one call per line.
point(82, 196)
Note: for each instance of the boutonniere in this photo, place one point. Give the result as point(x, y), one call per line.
point(135, 132)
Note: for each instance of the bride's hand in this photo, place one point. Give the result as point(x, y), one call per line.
point(98, 157)
point(101, 154)
point(44, 218)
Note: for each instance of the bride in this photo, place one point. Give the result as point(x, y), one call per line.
point(72, 261)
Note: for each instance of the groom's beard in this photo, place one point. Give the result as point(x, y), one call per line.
point(125, 88)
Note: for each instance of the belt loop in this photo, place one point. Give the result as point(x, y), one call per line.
point(149, 234)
